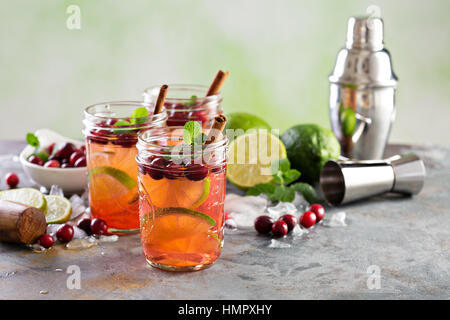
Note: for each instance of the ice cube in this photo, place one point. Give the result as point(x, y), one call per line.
point(79, 244)
point(298, 231)
point(230, 224)
point(85, 197)
point(78, 206)
point(78, 233)
point(335, 220)
point(245, 209)
point(52, 228)
point(56, 190)
point(278, 244)
point(37, 248)
point(300, 203)
point(282, 208)
point(111, 238)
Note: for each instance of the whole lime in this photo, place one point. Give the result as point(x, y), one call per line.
point(244, 121)
point(308, 147)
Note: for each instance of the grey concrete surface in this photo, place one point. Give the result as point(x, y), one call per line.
point(408, 239)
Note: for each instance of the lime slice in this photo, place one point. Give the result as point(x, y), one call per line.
point(178, 193)
point(121, 176)
point(185, 211)
point(250, 156)
point(244, 121)
point(58, 209)
point(27, 196)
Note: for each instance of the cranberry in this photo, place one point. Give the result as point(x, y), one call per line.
point(263, 224)
point(82, 149)
point(12, 180)
point(64, 150)
point(155, 170)
point(279, 228)
point(74, 157)
point(199, 115)
point(81, 162)
point(196, 172)
point(98, 227)
point(85, 224)
point(36, 160)
point(173, 171)
point(227, 216)
point(64, 233)
point(65, 165)
point(50, 148)
point(308, 219)
point(290, 220)
point(46, 241)
point(99, 136)
point(318, 210)
point(110, 122)
point(52, 164)
point(126, 140)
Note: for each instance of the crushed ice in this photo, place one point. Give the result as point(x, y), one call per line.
point(335, 220)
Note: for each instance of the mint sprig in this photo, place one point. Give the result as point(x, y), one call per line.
point(139, 115)
point(279, 189)
point(192, 132)
point(32, 140)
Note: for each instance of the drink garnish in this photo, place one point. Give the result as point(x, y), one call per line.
point(117, 174)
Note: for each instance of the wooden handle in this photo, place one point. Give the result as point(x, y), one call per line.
point(20, 223)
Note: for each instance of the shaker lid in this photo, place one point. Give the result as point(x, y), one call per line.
point(364, 61)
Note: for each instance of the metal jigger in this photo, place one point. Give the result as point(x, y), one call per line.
point(346, 181)
point(362, 91)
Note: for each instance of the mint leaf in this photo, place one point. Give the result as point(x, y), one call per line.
point(305, 190)
point(139, 115)
point(121, 123)
point(32, 140)
point(266, 188)
point(191, 102)
point(291, 175)
point(284, 194)
point(191, 130)
point(280, 165)
point(278, 178)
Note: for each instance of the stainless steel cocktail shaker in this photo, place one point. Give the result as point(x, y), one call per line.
point(362, 91)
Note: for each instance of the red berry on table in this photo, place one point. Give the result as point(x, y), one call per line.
point(263, 224)
point(52, 164)
point(12, 180)
point(81, 162)
point(36, 160)
point(308, 219)
point(98, 227)
point(318, 210)
point(290, 220)
point(64, 233)
point(85, 225)
point(74, 157)
point(46, 241)
point(279, 228)
point(50, 148)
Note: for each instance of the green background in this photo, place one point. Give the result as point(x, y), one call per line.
point(279, 54)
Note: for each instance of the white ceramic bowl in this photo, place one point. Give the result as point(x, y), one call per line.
point(71, 180)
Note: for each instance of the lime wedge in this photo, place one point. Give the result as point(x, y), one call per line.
point(121, 176)
point(204, 195)
point(185, 211)
point(250, 156)
point(58, 209)
point(27, 196)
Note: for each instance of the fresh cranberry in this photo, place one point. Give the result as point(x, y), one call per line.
point(156, 168)
point(196, 172)
point(66, 165)
point(74, 157)
point(64, 150)
point(46, 241)
point(64, 233)
point(82, 149)
point(308, 219)
point(263, 224)
point(81, 162)
point(52, 164)
point(279, 228)
point(318, 210)
point(50, 148)
point(199, 115)
point(98, 227)
point(12, 180)
point(36, 160)
point(290, 220)
point(227, 216)
point(173, 171)
point(126, 140)
point(85, 225)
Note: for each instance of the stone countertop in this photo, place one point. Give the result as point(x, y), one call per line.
point(406, 239)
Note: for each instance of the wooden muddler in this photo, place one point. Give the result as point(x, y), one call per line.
point(20, 223)
point(161, 98)
point(216, 129)
point(217, 83)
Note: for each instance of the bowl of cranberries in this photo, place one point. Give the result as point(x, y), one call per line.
point(51, 159)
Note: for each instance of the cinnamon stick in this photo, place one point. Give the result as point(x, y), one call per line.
point(20, 223)
point(216, 129)
point(217, 83)
point(161, 98)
